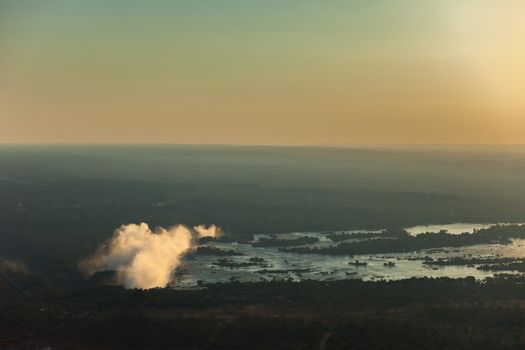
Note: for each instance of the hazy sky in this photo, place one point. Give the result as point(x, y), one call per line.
point(263, 72)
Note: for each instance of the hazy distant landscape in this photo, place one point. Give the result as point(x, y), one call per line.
point(307, 240)
point(60, 202)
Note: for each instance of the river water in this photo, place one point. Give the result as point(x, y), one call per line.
point(297, 267)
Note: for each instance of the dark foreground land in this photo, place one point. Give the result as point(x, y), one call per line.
point(409, 314)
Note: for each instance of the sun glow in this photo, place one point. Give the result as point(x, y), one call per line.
point(272, 72)
point(490, 38)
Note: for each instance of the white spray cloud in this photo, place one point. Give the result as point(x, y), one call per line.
point(144, 258)
point(211, 231)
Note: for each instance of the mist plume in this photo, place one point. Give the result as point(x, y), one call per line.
point(144, 258)
point(211, 231)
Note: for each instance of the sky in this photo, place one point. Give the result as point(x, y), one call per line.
point(288, 72)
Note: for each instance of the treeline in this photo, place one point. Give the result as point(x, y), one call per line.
point(339, 237)
point(485, 264)
point(498, 234)
point(512, 266)
point(353, 292)
point(275, 242)
point(422, 313)
point(213, 251)
point(458, 261)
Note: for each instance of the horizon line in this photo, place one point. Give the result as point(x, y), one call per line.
point(320, 145)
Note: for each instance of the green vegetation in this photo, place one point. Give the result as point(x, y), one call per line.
point(485, 264)
point(60, 202)
point(352, 314)
point(511, 266)
point(467, 261)
point(235, 264)
point(339, 237)
point(265, 271)
point(406, 243)
point(275, 242)
point(205, 250)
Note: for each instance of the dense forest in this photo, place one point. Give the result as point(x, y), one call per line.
point(409, 314)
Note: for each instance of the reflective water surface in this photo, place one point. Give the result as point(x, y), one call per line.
point(268, 263)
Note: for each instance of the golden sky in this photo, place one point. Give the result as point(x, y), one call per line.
point(263, 72)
